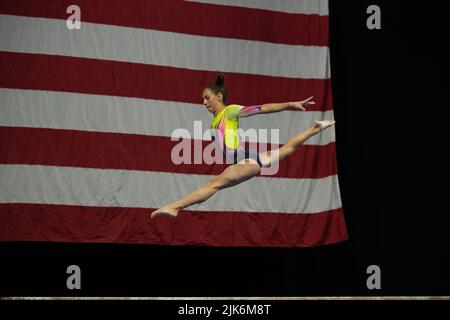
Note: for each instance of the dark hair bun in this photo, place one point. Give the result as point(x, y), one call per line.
point(220, 80)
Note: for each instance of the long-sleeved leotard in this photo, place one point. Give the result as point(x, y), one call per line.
point(226, 125)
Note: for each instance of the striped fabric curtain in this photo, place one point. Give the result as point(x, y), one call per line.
point(88, 113)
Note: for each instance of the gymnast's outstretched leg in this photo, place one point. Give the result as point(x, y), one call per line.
point(231, 176)
point(269, 158)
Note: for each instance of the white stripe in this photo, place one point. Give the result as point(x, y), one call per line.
point(126, 188)
point(290, 6)
point(61, 110)
point(106, 42)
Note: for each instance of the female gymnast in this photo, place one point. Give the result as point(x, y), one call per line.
point(245, 163)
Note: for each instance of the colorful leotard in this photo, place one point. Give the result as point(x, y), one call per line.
point(226, 125)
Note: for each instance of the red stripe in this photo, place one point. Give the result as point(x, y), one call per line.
point(61, 73)
point(186, 17)
point(61, 223)
point(73, 148)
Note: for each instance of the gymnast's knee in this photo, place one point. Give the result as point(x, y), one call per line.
point(216, 184)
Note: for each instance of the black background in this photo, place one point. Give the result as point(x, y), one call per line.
point(391, 106)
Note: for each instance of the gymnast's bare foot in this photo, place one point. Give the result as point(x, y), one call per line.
point(324, 124)
point(165, 211)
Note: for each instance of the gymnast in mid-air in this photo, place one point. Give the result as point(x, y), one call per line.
point(244, 163)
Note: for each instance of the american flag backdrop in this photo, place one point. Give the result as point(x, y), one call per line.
point(87, 116)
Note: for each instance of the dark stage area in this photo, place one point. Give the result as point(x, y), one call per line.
point(391, 107)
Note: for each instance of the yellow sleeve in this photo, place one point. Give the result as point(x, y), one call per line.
point(232, 112)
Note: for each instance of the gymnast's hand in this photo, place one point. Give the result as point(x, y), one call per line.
point(300, 105)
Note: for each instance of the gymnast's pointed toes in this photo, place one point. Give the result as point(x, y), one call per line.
point(325, 124)
point(164, 211)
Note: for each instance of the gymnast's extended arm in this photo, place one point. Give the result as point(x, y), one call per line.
point(277, 107)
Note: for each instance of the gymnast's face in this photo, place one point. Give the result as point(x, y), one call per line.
point(213, 102)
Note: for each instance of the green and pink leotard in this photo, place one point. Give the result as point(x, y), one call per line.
point(226, 125)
